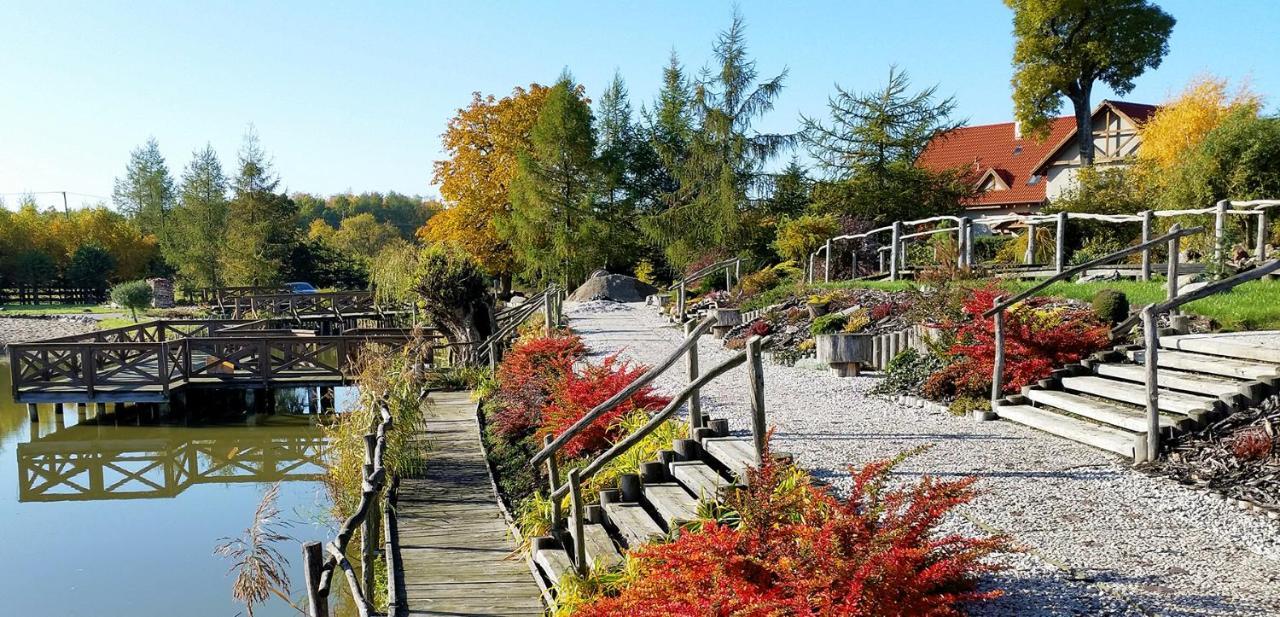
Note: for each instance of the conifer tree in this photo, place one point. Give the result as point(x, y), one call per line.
point(261, 229)
point(145, 193)
point(194, 242)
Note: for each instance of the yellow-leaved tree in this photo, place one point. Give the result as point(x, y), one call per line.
point(1181, 124)
point(483, 141)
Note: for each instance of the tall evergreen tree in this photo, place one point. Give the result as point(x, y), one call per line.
point(194, 244)
point(146, 193)
point(626, 165)
point(671, 122)
point(261, 229)
point(724, 167)
point(553, 230)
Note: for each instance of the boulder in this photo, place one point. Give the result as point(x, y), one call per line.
point(615, 287)
point(161, 292)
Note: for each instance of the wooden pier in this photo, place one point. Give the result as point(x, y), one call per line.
point(457, 555)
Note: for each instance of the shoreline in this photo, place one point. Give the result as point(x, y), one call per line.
point(35, 328)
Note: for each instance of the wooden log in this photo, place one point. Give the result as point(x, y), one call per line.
point(997, 371)
point(1151, 343)
point(853, 263)
point(312, 562)
point(1260, 246)
point(877, 346)
point(755, 385)
point(691, 367)
point(1219, 235)
point(579, 520)
point(826, 263)
point(844, 347)
point(894, 253)
point(1060, 250)
point(33, 412)
point(652, 472)
point(1030, 256)
point(628, 486)
point(1147, 219)
point(553, 481)
point(720, 426)
point(686, 449)
point(1175, 248)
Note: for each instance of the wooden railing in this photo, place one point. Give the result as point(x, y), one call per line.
point(51, 295)
point(732, 272)
point(1001, 304)
point(335, 303)
point(550, 300)
point(690, 394)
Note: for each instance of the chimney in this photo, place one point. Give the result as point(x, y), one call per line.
point(1017, 130)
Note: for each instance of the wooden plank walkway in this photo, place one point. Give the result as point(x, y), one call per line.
point(457, 556)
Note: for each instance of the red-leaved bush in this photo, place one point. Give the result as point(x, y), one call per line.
point(1037, 339)
point(759, 327)
point(578, 392)
point(800, 551)
point(527, 377)
point(1252, 444)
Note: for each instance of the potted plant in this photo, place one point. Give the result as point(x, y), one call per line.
point(726, 320)
point(841, 342)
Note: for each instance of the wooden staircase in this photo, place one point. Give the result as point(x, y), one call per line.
point(1101, 401)
point(653, 504)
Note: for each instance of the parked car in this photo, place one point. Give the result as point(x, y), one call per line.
point(299, 287)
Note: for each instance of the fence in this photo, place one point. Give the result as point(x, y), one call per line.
point(37, 295)
point(732, 272)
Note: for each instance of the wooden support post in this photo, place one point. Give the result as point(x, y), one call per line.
point(1260, 245)
point(755, 385)
point(369, 530)
point(691, 364)
point(1060, 250)
point(737, 270)
point(100, 410)
point(1150, 358)
point(33, 412)
point(894, 251)
point(997, 370)
point(960, 244)
point(809, 272)
point(968, 243)
point(312, 561)
point(680, 302)
point(826, 264)
point(1030, 256)
point(57, 409)
point(1219, 236)
point(881, 256)
point(1175, 247)
point(728, 278)
point(1147, 220)
point(313, 401)
point(579, 545)
point(548, 313)
point(853, 263)
point(553, 481)
point(493, 357)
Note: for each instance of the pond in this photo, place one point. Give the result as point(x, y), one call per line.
point(120, 514)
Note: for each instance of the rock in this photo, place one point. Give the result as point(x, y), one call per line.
point(616, 287)
point(1192, 287)
point(161, 292)
point(1113, 275)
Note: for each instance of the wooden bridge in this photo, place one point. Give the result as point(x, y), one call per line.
point(148, 362)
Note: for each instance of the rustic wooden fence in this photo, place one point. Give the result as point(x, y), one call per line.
point(37, 295)
point(732, 272)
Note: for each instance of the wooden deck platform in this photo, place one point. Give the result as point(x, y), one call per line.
point(457, 555)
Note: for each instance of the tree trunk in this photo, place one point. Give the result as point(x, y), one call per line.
point(1084, 125)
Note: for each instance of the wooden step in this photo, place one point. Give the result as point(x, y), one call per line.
point(1212, 365)
point(554, 562)
point(601, 551)
point(1249, 346)
point(698, 478)
point(1136, 394)
point(1171, 379)
point(736, 454)
point(1127, 418)
point(633, 523)
point(1106, 438)
point(672, 503)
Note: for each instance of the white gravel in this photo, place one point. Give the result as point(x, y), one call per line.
point(1100, 538)
point(21, 329)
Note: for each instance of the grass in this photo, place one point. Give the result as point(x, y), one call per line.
point(1252, 306)
point(56, 309)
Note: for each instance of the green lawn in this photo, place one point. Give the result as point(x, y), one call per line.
point(1251, 306)
point(55, 309)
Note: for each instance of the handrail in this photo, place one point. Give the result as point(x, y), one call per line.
point(654, 422)
point(1069, 272)
point(707, 271)
point(624, 394)
point(1219, 286)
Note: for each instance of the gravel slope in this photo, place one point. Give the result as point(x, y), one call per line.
point(20, 329)
point(1101, 539)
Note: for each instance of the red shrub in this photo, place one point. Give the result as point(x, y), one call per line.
point(579, 392)
point(1036, 342)
point(887, 309)
point(801, 551)
point(526, 378)
point(1253, 444)
point(759, 327)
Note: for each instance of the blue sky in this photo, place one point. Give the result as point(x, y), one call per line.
point(355, 96)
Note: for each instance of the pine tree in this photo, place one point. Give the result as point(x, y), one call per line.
point(261, 229)
point(146, 192)
point(626, 164)
point(553, 230)
point(194, 242)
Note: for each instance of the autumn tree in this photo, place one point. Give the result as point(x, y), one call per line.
point(481, 143)
point(146, 193)
point(362, 236)
point(260, 232)
point(1064, 47)
point(553, 229)
point(194, 245)
point(1181, 124)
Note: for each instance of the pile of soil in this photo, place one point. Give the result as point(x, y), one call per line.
point(615, 287)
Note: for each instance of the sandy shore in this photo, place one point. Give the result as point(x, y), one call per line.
point(22, 329)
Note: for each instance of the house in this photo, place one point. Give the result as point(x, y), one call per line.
point(1015, 173)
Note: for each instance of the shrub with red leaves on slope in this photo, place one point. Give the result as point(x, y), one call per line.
point(580, 391)
point(526, 378)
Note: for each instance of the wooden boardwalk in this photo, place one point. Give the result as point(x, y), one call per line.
point(457, 557)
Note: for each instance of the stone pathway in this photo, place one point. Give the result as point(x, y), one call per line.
point(1100, 538)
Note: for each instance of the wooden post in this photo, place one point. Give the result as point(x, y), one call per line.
point(312, 559)
point(680, 302)
point(853, 263)
point(493, 357)
point(755, 385)
point(1260, 246)
point(728, 278)
point(1150, 358)
point(826, 264)
point(1030, 256)
point(1060, 251)
point(894, 256)
point(880, 255)
point(691, 363)
point(553, 481)
point(33, 412)
point(737, 270)
point(997, 370)
point(548, 315)
point(369, 530)
point(968, 243)
point(1175, 245)
point(1219, 236)
point(579, 545)
point(809, 273)
point(1147, 220)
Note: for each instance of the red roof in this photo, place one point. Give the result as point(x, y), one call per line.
point(993, 147)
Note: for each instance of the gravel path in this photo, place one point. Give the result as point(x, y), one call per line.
point(1101, 539)
point(20, 329)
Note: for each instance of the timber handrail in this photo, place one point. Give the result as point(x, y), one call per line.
point(1208, 290)
point(624, 394)
point(1070, 272)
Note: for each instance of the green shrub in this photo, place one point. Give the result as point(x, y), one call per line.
point(1111, 306)
point(132, 295)
point(907, 372)
point(966, 405)
point(828, 324)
